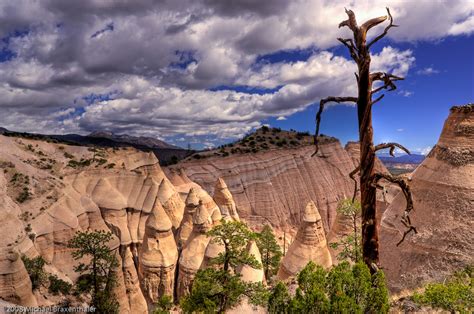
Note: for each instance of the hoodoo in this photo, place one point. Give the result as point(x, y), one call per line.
point(158, 256)
point(192, 202)
point(248, 273)
point(225, 201)
point(194, 249)
point(443, 195)
point(310, 245)
point(172, 203)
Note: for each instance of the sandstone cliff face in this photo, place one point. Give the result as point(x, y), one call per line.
point(443, 194)
point(225, 201)
point(193, 253)
point(309, 245)
point(158, 255)
point(275, 186)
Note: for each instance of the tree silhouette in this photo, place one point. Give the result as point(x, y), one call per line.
point(359, 50)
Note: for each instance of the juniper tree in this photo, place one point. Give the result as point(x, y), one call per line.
point(349, 244)
point(270, 251)
point(219, 288)
point(359, 49)
point(98, 273)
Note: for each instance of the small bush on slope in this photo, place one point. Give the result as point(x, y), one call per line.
point(57, 285)
point(343, 289)
point(456, 295)
point(35, 268)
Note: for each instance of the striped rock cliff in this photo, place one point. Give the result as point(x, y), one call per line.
point(443, 195)
point(274, 186)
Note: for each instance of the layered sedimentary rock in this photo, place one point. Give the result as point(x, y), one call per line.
point(274, 186)
point(137, 302)
point(127, 194)
point(309, 245)
point(186, 227)
point(172, 202)
point(248, 273)
point(225, 201)
point(158, 256)
point(15, 284)
point(443, 194)
point(193, 253)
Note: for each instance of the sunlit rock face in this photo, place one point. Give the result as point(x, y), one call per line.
point(193, 253)
point(248, 273)
point(15, 284)
point(65, 200)
point(158, 256)
point(159, 229)
point(172, 203)
point(274, 186)
point(443, 194)
point(225, 201)
point(186, 227)
point(309, 245)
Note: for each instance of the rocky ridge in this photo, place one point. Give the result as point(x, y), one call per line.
point(443, 194)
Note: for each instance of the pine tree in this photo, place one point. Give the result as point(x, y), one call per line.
point(220, 287)
point(270, 251)
point(279, 299)
point(98, 275)
point(350, 245)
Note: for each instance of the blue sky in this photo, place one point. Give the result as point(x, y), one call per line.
point(208, 72)
point(415, 119)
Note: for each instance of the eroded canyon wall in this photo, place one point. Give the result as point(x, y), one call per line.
point(275, 186)
point(159, 231)
point(443, 194)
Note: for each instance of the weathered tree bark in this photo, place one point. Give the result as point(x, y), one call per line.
point(360, 52)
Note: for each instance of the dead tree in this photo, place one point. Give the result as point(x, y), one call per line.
point(359, 50)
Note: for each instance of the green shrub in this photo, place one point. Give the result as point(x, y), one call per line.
point(164, 304)
point(79, 164)
point(270, 251)
point(57, 285)
point(6, 164)
point(23, 196)
point(342, 289)
point(35, 269)
point(220, 287)
point(68, 156)
point(101, 161)
point(456, 294)
point(28, 228)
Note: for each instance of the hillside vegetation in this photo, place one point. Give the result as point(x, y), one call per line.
point(263, 139)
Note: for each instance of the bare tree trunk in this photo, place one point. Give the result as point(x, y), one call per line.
point(368, 192)
point(360, 52)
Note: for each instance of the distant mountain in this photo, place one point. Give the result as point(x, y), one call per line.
point(136, 140)
point(166, 153)
point(402, 159)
